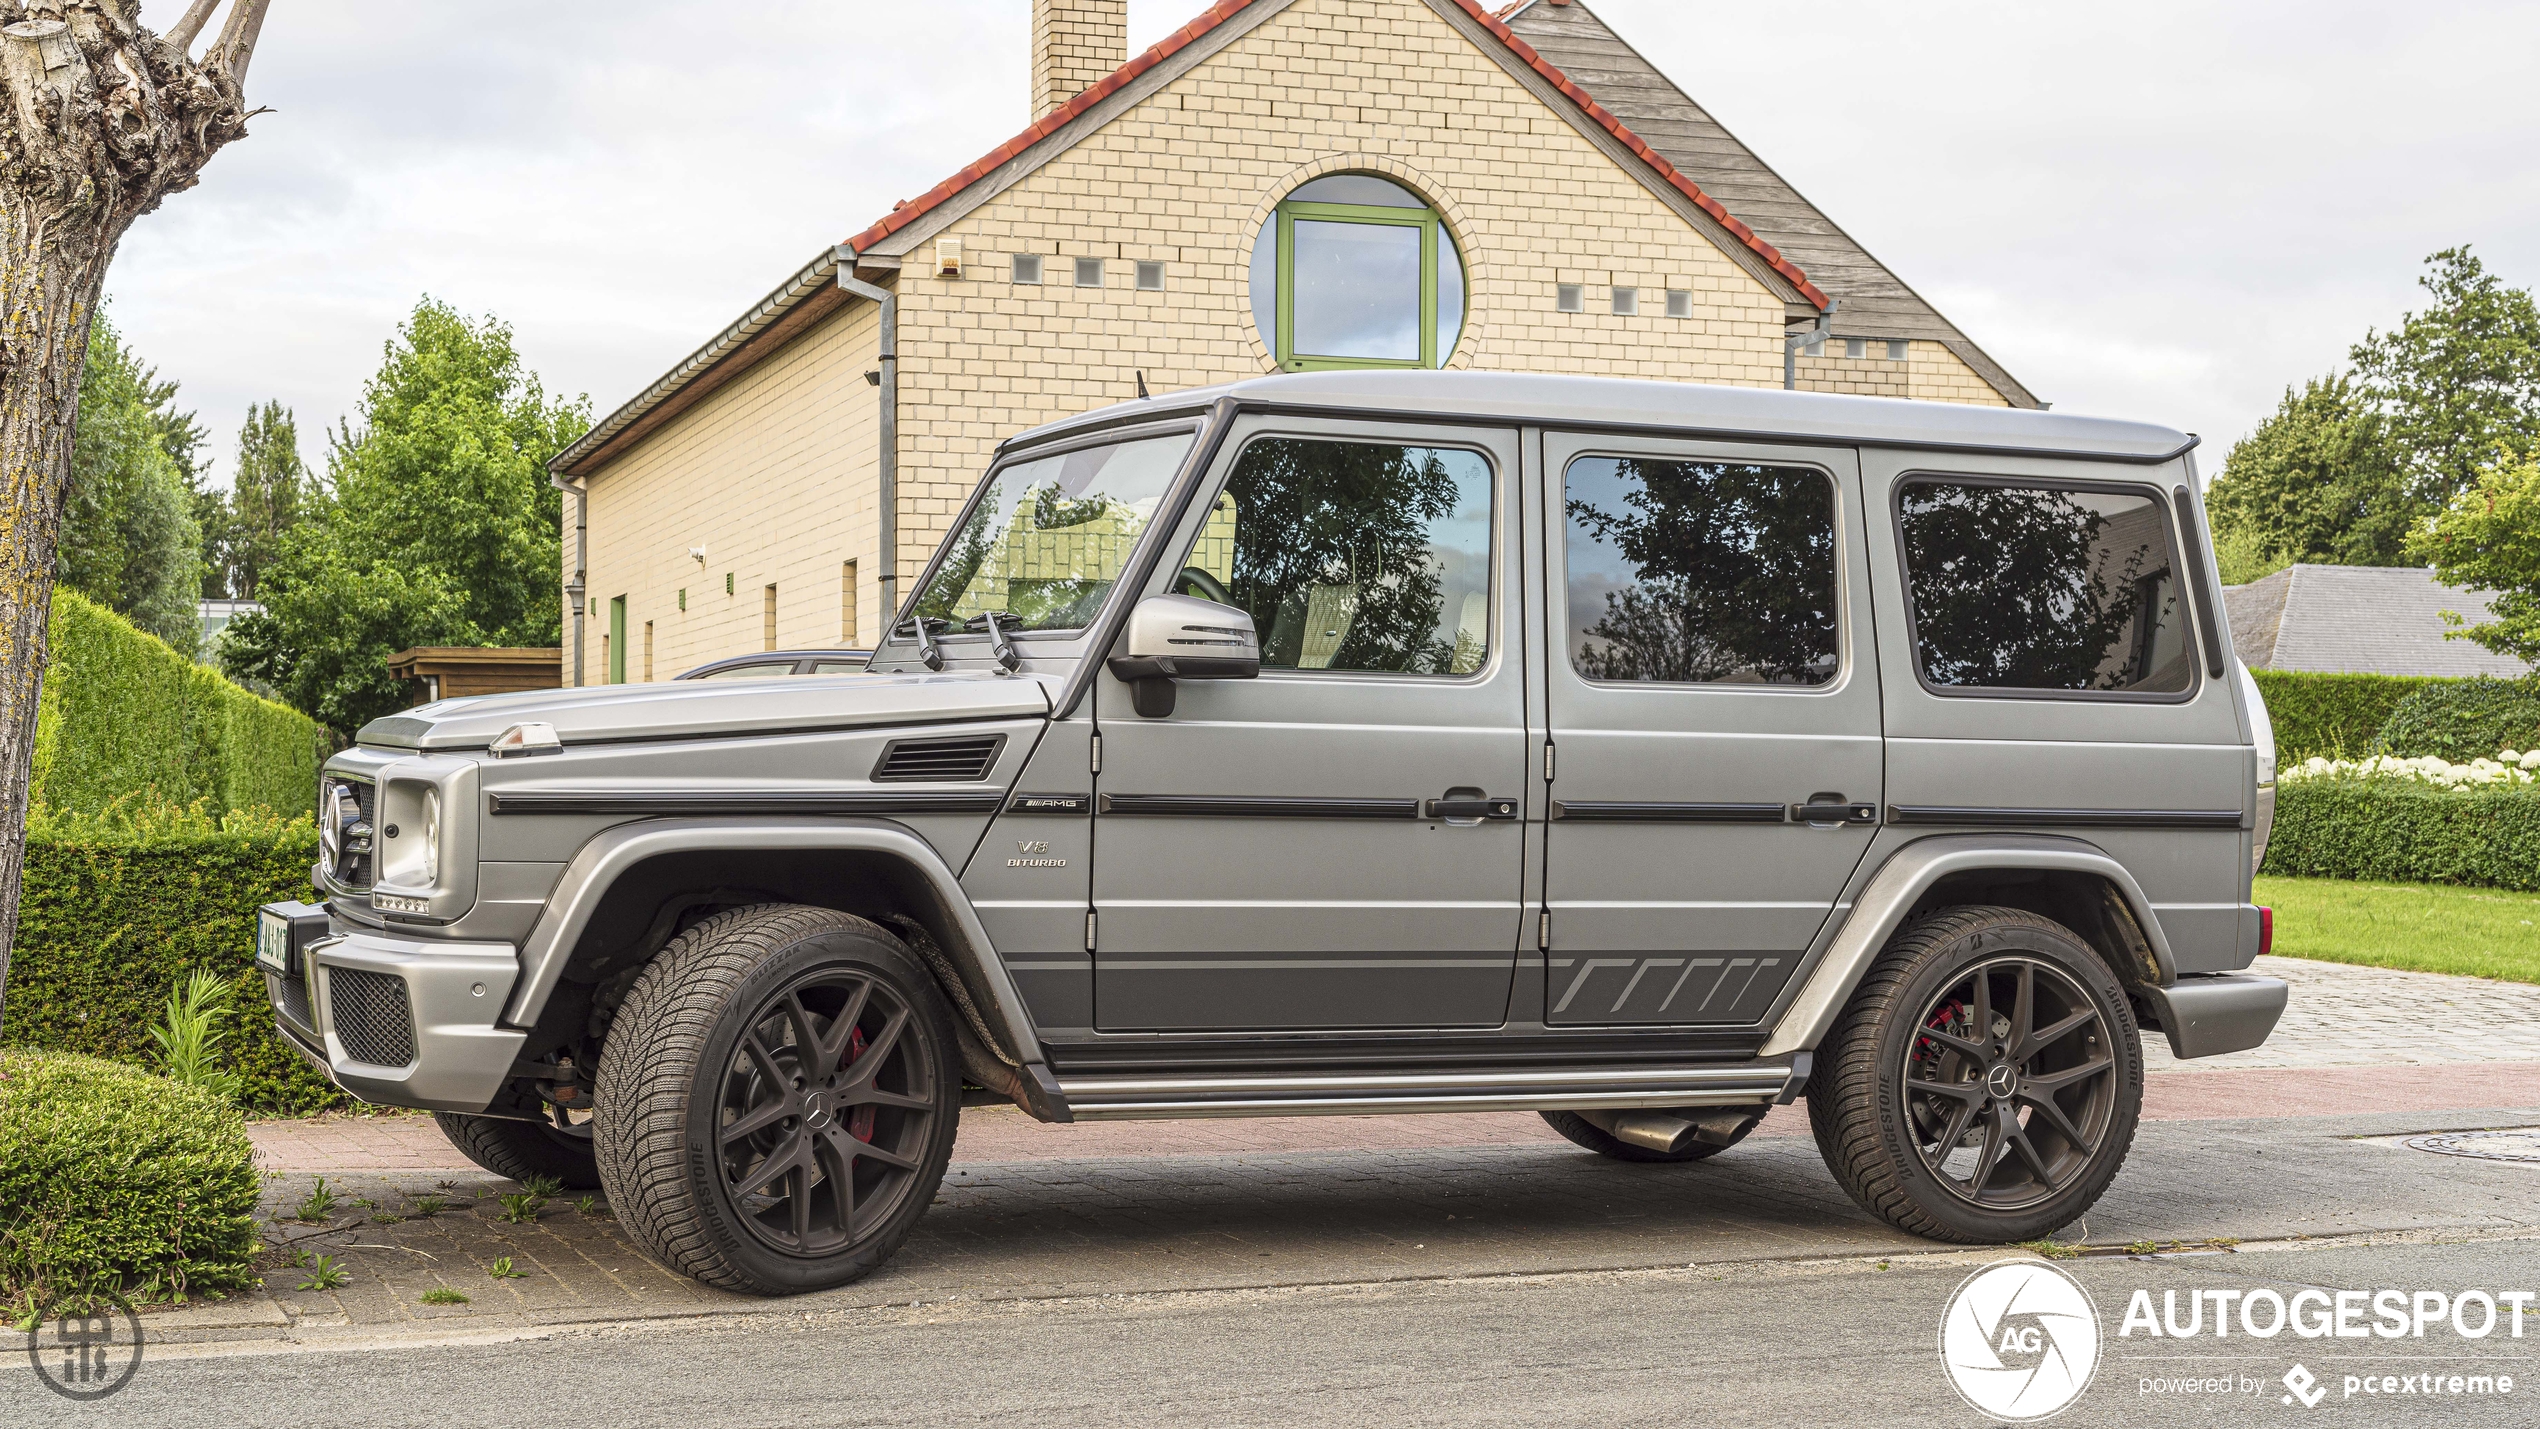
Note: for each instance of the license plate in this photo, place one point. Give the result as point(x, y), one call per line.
point(273, 941)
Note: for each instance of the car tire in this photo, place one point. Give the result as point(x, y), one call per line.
point(524, 1150)
point(777, 1099)
point(1913, 1107)
point(1582, 1132)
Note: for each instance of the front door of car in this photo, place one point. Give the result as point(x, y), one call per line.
point(1273, 854)
point(1712, 696)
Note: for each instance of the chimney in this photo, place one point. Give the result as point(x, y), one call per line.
point(1074, 44)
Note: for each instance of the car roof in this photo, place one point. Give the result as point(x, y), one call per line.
point(1694, 408)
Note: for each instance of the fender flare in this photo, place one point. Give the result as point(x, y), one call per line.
point(1904, 878)
point(598, 865)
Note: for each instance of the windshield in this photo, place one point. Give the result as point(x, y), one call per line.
point(1048, 537)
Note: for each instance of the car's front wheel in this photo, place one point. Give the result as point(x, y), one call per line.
point(1984, 1083)
point(778, 1099)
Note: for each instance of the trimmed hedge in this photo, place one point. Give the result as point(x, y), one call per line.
point(113, 1179)
point(2461, 720)
point(2334, 716)
point(122, 713)
point(117, 908)
point(2394, 830)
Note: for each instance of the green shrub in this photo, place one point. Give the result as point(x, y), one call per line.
point(2462, 720)
point(122, 713)
point(121, 905)
point(2333, 716)
point(2406, 831)
point(111, 1178)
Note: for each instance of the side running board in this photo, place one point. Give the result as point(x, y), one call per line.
point(1153, 1098)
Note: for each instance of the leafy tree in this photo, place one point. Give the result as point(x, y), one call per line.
point(2489, 539)
point(2318, 482)
point(438, 528)
point(128, 538)
point(2350, 466)
point(2458, 384)
point(267, 496)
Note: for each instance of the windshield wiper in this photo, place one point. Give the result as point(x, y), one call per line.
point(998, 645)
point(926, 627)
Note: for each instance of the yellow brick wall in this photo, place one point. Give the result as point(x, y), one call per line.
point(773, 474)
point(1074, 44)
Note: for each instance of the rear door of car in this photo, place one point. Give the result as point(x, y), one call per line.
point(1713, 701)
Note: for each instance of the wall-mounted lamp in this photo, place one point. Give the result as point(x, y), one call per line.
point(697, 554)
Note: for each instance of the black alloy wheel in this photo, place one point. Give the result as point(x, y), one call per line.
point(2011, 1085)
point(825, 1112)
point(778, 1099)
point(1984, 1081)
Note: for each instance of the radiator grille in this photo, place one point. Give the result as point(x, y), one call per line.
point(371, 1016)
point(291, 999)
point(965, 758)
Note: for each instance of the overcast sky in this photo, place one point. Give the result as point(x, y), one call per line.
point(2163, 210)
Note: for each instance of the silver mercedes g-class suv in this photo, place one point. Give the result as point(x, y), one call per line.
point(1643, 755)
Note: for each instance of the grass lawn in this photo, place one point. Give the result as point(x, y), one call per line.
point(2420, 927)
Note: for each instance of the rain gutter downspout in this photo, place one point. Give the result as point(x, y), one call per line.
point(889, 440)
point(574, 588)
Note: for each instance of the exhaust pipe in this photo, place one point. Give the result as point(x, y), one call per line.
point(1667, 1132)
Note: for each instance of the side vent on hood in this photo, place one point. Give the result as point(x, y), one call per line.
point(950, 760)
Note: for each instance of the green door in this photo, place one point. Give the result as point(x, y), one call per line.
point(617, 640)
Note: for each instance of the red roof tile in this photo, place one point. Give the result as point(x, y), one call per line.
point(909, 211)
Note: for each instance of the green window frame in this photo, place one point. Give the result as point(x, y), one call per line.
point(1423, 219)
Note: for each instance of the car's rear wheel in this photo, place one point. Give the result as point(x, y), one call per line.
point(558, 1149)
point(778, 1099)
point(1582, 1132)
point(1984, 1083)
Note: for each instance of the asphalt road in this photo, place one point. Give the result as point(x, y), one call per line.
point(1786, 1343)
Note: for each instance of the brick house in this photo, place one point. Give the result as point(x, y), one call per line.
point(1288, 184)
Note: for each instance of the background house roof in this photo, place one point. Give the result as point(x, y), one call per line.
point(2368, 620)
point(1871, 301)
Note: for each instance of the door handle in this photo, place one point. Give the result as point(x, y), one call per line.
point(1833, 810)
point(1468, 804)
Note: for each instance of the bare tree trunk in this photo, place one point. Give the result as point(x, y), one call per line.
point(99, 120)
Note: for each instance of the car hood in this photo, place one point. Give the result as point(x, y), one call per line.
point(693, 709)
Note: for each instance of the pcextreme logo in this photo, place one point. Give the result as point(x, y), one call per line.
point(2020, 1340)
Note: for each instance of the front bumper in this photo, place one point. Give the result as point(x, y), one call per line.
point(2208, 1016)
point(401, 1021)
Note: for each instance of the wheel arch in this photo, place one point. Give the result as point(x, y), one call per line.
point(632, 888)
point(2069, 880)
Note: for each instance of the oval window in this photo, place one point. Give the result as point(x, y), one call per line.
point(1353, 270)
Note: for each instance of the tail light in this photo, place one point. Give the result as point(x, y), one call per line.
point(2266, 931)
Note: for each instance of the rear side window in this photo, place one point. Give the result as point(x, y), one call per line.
point(1699, 572)
point(2039, 587)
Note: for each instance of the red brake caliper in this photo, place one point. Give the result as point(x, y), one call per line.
point(860, 1121)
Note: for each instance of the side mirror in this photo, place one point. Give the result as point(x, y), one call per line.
point(1181, 637)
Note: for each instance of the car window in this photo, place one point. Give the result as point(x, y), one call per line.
point(749, 672)
point(835, 667)
point(1699, 572)
point(1048, 537)
point(1364, 556)
point(2042, 587)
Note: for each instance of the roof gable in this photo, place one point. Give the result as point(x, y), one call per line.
point(1874, 302)
point(2370, 620)
point(1226, 20)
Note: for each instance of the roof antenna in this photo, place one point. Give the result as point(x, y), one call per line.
point(1142, 387)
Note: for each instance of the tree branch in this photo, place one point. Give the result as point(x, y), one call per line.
point(197, 15)
point(238, 39)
